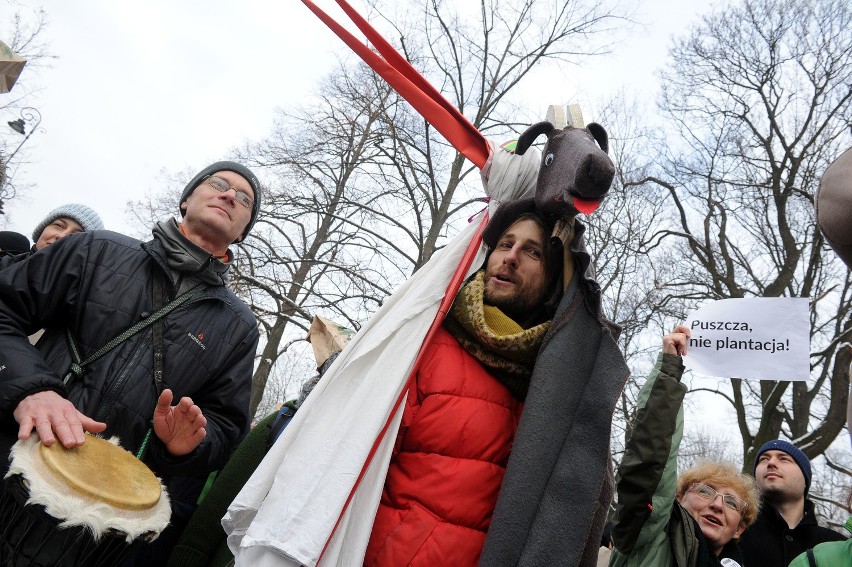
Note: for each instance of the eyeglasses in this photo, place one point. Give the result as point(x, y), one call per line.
point(731, 501)
point(222, 186)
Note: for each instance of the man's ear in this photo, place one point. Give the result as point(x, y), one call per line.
point(183, 206)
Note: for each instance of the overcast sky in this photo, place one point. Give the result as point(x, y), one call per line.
point(147, 88)
point(144, 88)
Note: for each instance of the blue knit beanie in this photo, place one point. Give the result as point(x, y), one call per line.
point(237, 168)
point(81, 214)
point(787, 447)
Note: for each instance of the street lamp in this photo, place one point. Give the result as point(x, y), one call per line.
point(28, 114)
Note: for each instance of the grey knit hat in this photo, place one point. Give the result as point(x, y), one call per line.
point(226, 166)
point(81, 214)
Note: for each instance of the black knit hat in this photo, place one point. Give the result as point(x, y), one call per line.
point(227, 166)
point(506, 214)
point(13, 242)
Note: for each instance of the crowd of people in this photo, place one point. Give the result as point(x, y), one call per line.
point(712, 513)
point(498, 446)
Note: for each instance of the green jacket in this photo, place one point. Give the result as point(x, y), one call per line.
point(828, 554)
point(203, 542)
point(650, 528)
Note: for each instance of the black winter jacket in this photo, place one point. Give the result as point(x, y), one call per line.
point(769, 542)
point(99, 284)
point(11, 258)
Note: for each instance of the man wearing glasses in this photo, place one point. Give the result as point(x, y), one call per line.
point(183, 382)
point(663, 519)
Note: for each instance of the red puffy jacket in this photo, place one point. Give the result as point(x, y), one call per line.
point(448, 463)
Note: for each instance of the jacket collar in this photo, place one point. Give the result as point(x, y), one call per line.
point(770, 514)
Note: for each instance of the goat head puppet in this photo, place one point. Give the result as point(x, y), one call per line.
point(575, 173)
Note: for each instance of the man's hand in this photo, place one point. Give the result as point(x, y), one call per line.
point(53, 417)
point(676, 341)
point(180, 427)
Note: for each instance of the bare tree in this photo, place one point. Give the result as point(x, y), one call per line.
point(365, 191)
point(831, 490)
point(24, 33)
point(705, 445)
point(759, 95)
point(477, 59)
point(314, 249)
point(619, 235)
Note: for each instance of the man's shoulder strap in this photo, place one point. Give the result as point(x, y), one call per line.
point(78, 365)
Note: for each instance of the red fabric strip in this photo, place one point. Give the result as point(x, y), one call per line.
point(411, 85)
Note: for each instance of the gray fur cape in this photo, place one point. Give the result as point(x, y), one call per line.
point(558, 485)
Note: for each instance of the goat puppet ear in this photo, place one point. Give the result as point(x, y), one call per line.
point(529, 135)
point(599, 134)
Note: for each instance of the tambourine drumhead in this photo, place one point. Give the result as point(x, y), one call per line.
point(98, 485)
point(106, 471)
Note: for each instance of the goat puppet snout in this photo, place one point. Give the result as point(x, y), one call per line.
point(594, 178)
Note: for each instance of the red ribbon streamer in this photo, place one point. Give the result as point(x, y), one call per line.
point(410, 84)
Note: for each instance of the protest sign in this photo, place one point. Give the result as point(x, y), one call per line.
point(757, 338)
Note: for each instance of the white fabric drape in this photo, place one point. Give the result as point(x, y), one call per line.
point(289, 508)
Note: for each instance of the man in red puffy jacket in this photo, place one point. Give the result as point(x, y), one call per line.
point(462, 413)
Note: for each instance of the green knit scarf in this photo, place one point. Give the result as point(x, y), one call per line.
point(496, 341)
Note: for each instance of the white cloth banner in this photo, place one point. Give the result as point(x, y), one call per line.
point(287, 513)
point(755, 338)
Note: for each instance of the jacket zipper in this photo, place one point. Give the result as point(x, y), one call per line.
point(118, 384)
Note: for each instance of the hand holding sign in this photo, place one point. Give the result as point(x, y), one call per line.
point(757, 338)
point(676, 341)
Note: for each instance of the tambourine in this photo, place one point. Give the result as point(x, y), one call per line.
point(89, 505)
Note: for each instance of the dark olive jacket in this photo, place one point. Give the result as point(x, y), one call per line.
point(650, 528)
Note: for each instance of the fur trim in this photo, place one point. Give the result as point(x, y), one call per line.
point(48, 490)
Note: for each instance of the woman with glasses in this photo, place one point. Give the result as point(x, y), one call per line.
point(663, 519)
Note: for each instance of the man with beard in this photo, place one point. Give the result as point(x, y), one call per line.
point(787, 525)
point(462, 412)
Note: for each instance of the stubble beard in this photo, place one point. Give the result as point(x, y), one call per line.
point(518, 305)
point(778, 494)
